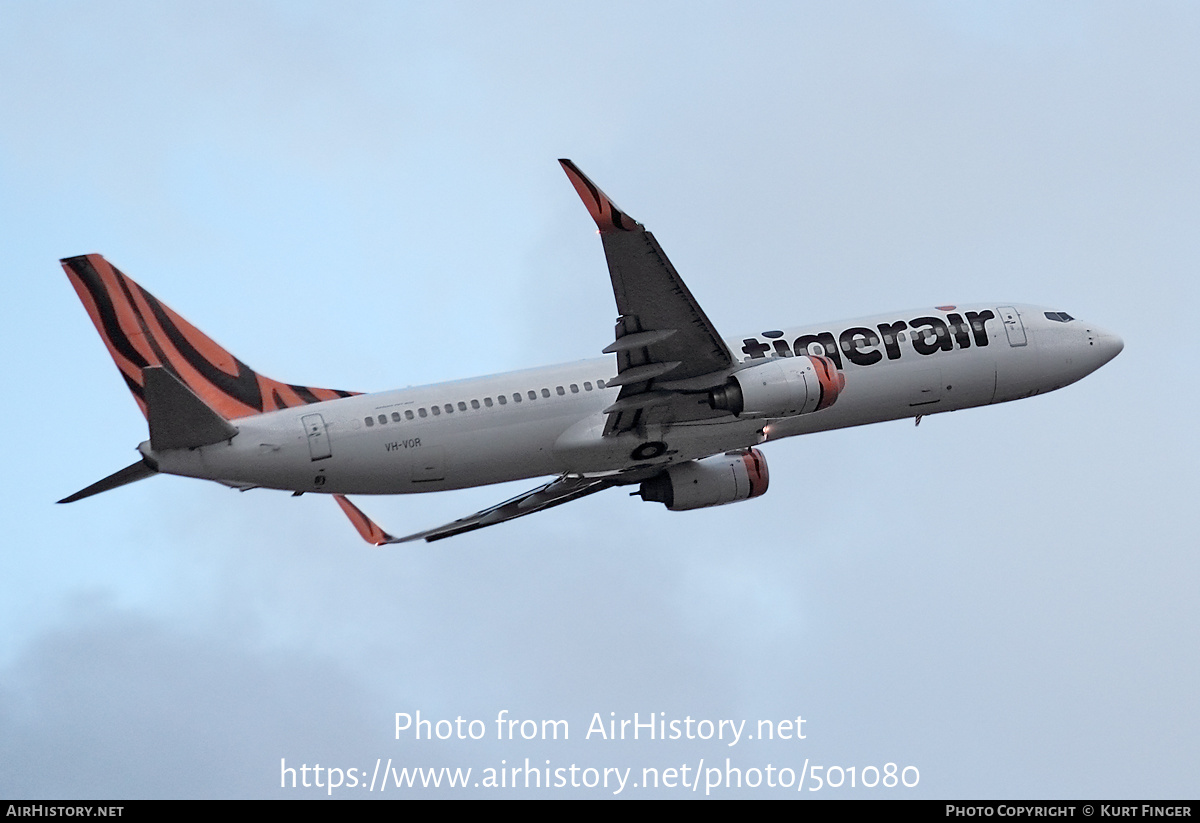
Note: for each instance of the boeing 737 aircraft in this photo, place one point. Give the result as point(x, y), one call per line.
point(677, 410)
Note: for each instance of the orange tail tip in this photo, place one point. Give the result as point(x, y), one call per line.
point(140, 331)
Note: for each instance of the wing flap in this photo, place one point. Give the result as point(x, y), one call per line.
point(561, 490)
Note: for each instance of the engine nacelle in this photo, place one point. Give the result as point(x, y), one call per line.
point(781, 387)
point(713, 481)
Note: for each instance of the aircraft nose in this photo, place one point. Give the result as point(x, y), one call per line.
point(1108, 345)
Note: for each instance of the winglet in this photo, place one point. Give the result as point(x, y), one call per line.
point(608, 216)
point(365, 525)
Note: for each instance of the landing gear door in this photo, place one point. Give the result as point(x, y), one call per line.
point(429, 465)
point(318, 437)
point(926, 390)
point(1013, 326)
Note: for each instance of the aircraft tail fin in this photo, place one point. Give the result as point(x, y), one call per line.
point(141, 332)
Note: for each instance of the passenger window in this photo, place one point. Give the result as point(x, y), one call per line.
point(561, 391)
point(463, 406)
point(600, 383)
point(408, 415)
point(487, 401)
point(421, 412)
point(449, 408)
point(516, 397)
point(503, 399)
point(533, 395)
point(545, 392)
point(587, 386)
point(437, 410)
point(382, 419)
point(370, 421)
point(475, 404)
point(574, 389)
point(395, 417)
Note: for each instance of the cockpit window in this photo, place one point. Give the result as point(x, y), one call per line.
point(1060, 316)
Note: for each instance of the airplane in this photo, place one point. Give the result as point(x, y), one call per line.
point(678, 411)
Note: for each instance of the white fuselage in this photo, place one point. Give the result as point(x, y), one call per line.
point(550, 421)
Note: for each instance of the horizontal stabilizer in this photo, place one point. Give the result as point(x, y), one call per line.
point(178, 418)
point(130, 474)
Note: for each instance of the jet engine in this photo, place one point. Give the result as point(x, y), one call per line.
point(780, 388)
point(713, 481)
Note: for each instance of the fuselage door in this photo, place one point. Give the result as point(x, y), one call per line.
point(1013, 326)
point(318, 437)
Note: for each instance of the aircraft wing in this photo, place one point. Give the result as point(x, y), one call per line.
point(561, 490)
point(668, 351)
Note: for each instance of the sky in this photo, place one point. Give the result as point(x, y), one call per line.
point(1000, 603)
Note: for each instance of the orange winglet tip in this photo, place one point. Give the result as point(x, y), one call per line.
point(609, 218)
point(365, 525)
